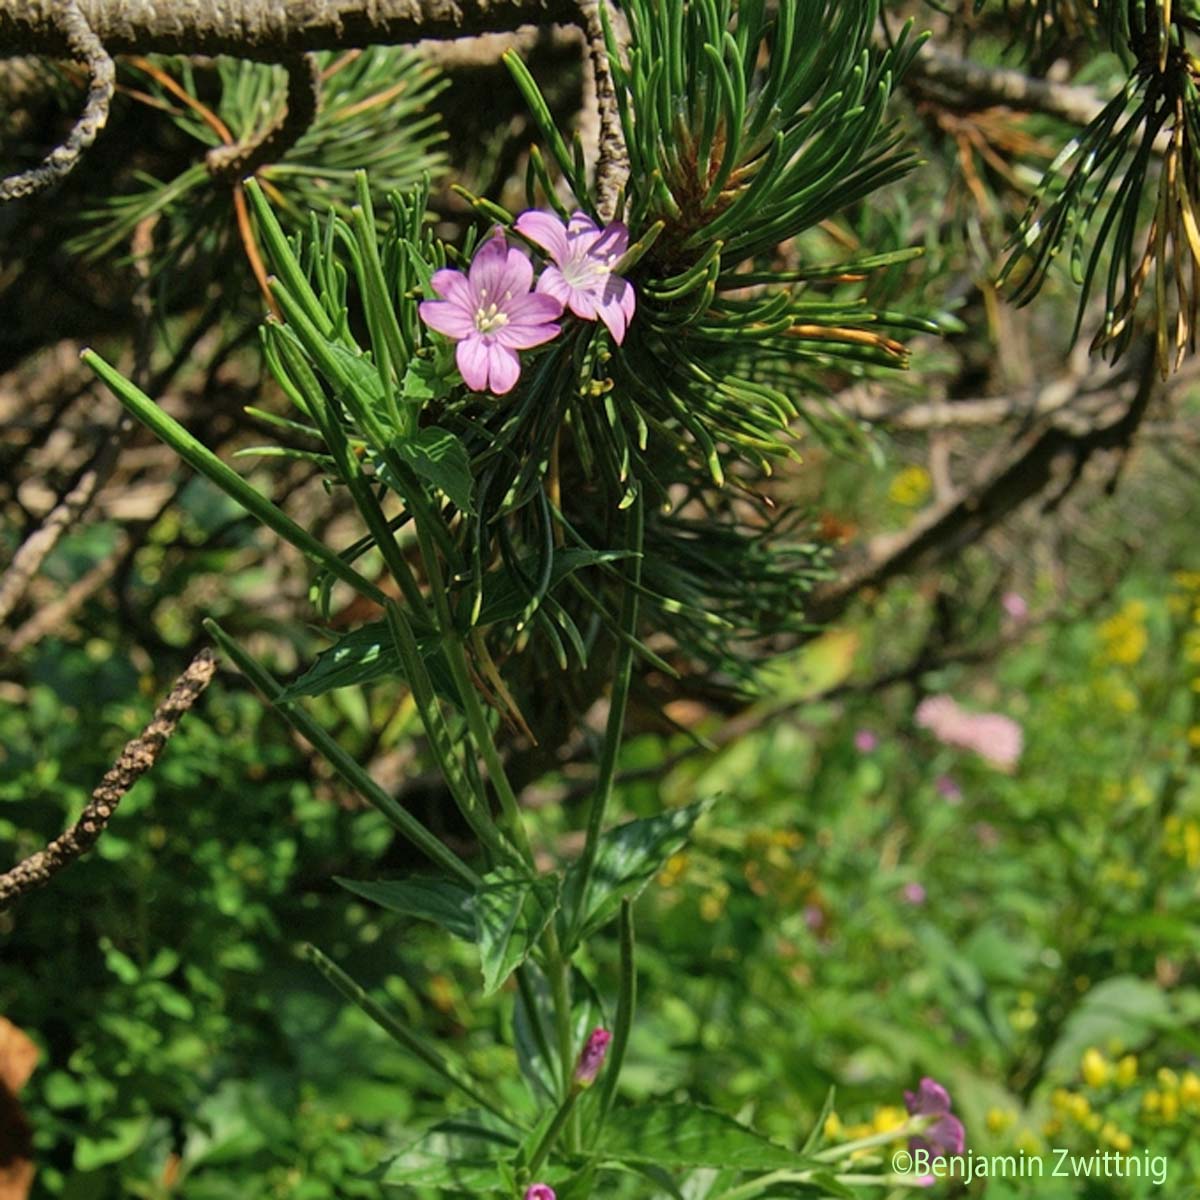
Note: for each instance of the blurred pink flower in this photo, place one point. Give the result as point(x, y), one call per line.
point(913, 893)
point(592, 1057)
point(990, 735)
point(581, 276)
point(1015, 606)
point(491, 313)
point(540, 1191)
point(943, 1136)
point(948, 789)
point(866, 740)
point(814, 917)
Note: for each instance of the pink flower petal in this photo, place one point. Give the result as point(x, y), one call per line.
point(504, 368)
point(546, 230)
point(581, 225)
point(612, 243)
point(613, 316)
point(448, 317)
point(472, 359)
point(499, 271)
point(616, 307)
point(449, 284)
point(552, 283)
point(584, 302)
point(524, 336)
point(534, 308)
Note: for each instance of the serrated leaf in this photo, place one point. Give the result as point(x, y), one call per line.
point(423, 381)
point(465, 1152)
point(439, 458)
point(687, 1135)
point(445, 902)
point(511, 911)
point(627, 858)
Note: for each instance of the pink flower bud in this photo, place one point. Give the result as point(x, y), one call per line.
point(540, 1191)
point(592, 1058)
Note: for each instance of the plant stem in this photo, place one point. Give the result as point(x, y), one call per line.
point(622, 677)
point(623, 1022)
point(452, 646)
point(416, 1044)
point(470, 802)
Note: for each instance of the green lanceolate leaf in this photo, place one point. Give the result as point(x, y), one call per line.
point(506, 596)
point(627, 858)
point(445, 902)
point(686, 1135)
point(364, 656)
point(511, 911)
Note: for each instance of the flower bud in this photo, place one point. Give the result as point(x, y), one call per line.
point(592, 1057)
point(540, 1191)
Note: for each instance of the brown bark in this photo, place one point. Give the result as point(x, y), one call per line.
point(266, 30)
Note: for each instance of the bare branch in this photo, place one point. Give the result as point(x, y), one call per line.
point(1046, 459)
point(612, 160)
point(987, 86)
point(79, 42)
point(136, 759)
point(33, 551)
point(268, 30)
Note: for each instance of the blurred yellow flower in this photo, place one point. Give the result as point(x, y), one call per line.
point(1189, 1089)
point(999, 1119)
point(1123, 636)
point(1117, 1138)
point(910, 487)
point(1096, 1069)
point(1127, 1069)
point(833, 1127)
point(888, 1117)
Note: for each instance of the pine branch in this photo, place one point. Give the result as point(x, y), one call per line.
point(264, 30)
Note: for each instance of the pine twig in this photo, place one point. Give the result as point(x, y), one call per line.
point(84, 45)
point(301, 101)
point(135, 760)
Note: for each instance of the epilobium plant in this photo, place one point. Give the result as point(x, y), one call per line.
point(578, 472)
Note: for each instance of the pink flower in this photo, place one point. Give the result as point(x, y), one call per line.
point(990, 735)
point(581, 276)
point(1015, 606)
point(914, 894)
point(491, 314)
point(540, 1191)
point(945, 1134)
point(865, 740)
point(592, 1057)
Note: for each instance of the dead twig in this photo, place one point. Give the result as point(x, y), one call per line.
point(82, 44)
point(136, 759)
